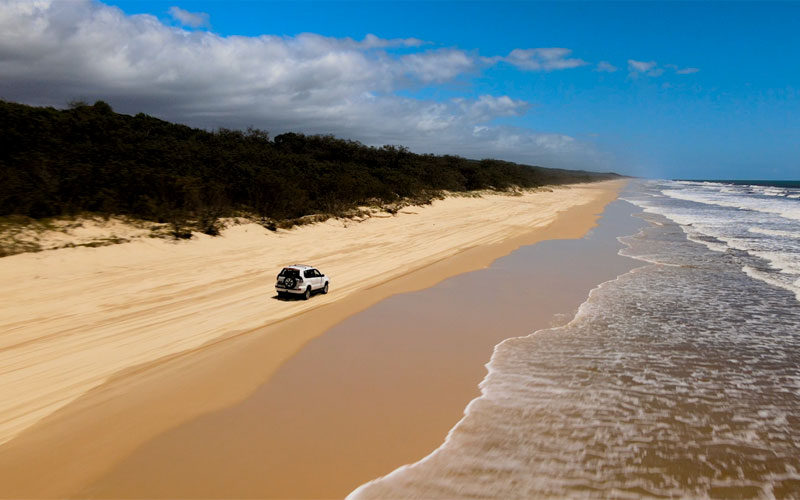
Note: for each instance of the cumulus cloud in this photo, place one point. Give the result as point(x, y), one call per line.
point(649, 68)
point(487, 107)
point(439, 65)
point(53, 51)
point(191, 19)
point(542, 59)
point(605, 67)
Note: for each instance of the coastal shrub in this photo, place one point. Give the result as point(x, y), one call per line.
point(88, 158)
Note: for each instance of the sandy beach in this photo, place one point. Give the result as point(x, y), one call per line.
point(380, 389)
point(105, 348)
point(560, 250)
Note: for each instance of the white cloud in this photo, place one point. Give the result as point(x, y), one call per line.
point(487, 107)
point(605, 67)
point(191, 19)
point(640, 65)
point(649, 68)
point(439, 65)
point(542, 59)
point(54, 51)
point(681, 71)
point(373, 42)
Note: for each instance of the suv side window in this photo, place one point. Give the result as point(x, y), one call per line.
point(309, 273)
point(317, 274)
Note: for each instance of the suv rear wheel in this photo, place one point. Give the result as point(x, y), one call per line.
point(307, 294)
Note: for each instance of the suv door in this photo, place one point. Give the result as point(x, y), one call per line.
point(310, 277)
point(319, 278)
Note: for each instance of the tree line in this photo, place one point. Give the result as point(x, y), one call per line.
point(90, 159)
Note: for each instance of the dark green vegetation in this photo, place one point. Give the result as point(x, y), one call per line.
point(90, 159)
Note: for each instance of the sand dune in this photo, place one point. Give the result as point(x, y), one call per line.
point(71, 318)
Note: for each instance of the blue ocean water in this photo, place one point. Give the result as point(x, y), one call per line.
point(680, 378)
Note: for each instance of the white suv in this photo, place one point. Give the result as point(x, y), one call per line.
point(301, 280)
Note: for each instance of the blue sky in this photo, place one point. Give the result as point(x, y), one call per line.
point(680, 90)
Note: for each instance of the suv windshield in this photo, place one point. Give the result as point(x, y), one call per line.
point(290, 273)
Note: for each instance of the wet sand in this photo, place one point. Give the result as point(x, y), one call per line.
point(378, 390)
point(199, 361)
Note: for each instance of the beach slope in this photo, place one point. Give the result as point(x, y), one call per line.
point(100, 345)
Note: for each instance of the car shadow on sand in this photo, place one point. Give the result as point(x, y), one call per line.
point(295, 296)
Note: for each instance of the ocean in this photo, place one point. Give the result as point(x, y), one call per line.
point(679, 378)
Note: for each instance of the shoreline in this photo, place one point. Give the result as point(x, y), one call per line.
point(111, 420)
point(384, 486)
point(380, 389)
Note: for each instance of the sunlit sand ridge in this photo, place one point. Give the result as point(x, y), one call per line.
point(73, 317)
